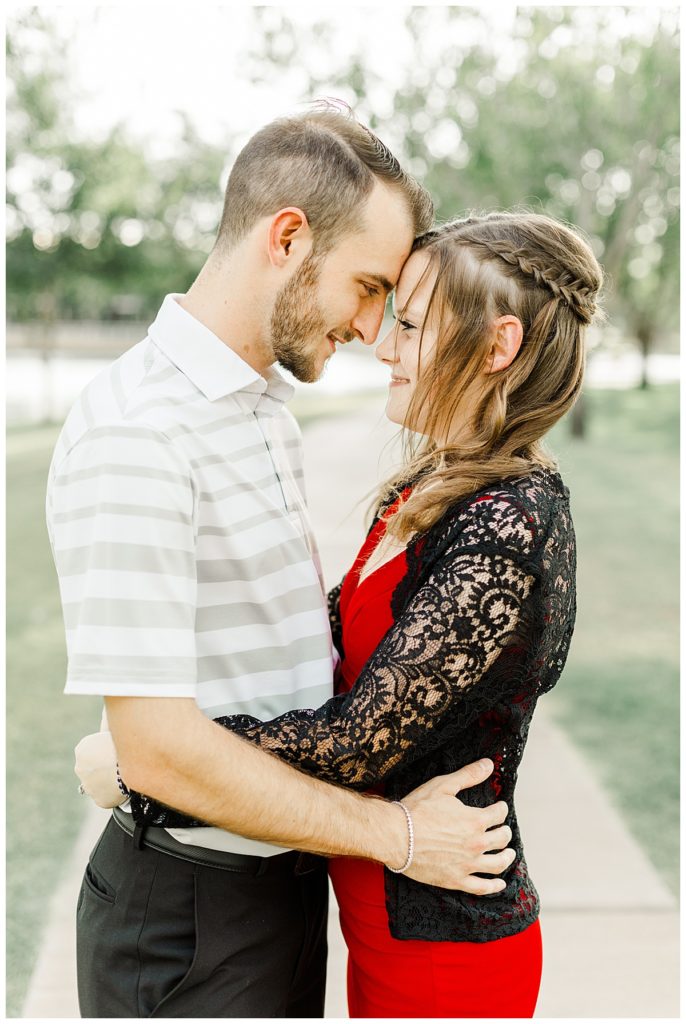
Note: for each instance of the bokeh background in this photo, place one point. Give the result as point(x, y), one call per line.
point(122, 124)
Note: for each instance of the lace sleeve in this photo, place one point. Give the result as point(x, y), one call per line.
point(425, 675)
point(334, 605)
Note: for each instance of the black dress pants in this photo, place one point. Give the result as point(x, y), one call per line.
point(162, 937)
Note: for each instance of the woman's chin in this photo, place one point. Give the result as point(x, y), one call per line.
point(394, 415)
point(399, 417)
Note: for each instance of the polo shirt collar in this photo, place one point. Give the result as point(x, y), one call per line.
point(213, 367)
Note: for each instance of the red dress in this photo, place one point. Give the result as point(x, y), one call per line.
point(390, 977)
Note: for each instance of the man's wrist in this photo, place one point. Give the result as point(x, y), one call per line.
point(388, 839)
point(410, 840)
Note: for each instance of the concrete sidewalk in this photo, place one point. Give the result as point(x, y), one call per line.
point(610, 926)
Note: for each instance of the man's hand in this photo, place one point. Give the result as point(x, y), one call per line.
point(169, 750)
point(452, 840)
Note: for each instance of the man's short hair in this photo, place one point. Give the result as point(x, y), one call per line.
point(324, 162)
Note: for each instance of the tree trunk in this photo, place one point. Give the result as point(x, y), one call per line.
point(644, 333)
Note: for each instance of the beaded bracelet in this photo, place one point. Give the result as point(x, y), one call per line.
point(410, 852)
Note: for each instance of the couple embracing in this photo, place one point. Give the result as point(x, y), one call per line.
point(246, 715)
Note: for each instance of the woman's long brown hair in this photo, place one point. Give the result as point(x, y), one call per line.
point(524, 264)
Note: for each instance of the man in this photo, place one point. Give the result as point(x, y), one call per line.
point(191, 590)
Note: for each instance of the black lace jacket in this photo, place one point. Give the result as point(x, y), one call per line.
point(482, 624)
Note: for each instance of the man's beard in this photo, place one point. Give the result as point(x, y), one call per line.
point(297, 323)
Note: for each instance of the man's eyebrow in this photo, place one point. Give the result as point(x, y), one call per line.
point(382, 281)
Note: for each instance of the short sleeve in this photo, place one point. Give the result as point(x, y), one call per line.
point(121, 522)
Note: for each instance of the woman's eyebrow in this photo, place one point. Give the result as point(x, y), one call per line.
point(407, 314)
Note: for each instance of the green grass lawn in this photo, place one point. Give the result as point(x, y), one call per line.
point(618, 697)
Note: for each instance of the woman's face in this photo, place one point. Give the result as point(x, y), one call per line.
point(400, 349)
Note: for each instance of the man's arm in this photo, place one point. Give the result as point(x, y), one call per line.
point(169, 750)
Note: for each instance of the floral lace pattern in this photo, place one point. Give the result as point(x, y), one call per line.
point(482, 624)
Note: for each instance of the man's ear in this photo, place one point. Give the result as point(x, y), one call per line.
point(507, 340)
point(289, 232)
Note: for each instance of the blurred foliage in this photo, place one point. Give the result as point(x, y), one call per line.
point(576, 115)
point(96, 229)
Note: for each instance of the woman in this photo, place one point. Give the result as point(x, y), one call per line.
point(458, 610)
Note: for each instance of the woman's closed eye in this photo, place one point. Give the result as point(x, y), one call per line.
point(405, 325)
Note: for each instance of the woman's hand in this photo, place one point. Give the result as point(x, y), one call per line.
point(95, 764)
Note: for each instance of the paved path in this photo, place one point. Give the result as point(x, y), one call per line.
point(610, 926)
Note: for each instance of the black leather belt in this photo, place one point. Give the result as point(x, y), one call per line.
point(293, 862)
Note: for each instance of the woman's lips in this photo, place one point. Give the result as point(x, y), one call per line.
point(397, 381)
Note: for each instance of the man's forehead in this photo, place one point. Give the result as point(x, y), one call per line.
point(379, 246)
point(386, 224)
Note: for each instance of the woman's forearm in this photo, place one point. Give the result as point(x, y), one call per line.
point(170, 751)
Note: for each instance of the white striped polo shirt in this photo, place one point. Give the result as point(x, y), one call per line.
point(176, 514)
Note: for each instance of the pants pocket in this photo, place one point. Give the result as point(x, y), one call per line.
point(111, 906)
point(97, 886)
point(95, 920)
point(168, 949)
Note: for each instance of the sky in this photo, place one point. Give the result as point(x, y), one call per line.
point(142, 63)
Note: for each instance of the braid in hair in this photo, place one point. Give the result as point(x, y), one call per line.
point(563, 284)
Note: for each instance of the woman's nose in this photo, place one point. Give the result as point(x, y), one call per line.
point(385, 350)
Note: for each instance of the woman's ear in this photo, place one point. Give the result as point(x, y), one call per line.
point(507, 340)
point(288, 229)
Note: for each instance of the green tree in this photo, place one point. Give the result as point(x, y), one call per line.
point(573, 111)
point(584, 125)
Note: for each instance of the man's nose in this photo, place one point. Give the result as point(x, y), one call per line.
point(368, 322)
